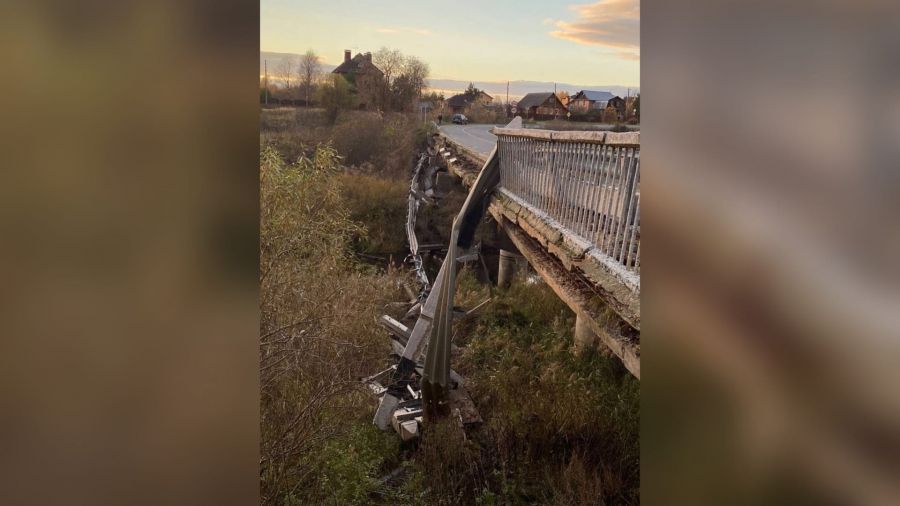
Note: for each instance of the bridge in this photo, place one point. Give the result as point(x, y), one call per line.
point(569, 204)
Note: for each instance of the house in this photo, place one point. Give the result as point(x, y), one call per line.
point(589, 102)
point(541, 106)
point(460, 104)
point(366, 78)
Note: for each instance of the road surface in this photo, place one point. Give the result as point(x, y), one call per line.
point(475, 137)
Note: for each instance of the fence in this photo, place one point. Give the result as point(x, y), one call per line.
point(588, 183)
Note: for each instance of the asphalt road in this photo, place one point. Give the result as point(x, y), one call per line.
point(474, 137)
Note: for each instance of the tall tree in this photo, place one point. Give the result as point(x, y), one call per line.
point(309, 70)
point(471, 91)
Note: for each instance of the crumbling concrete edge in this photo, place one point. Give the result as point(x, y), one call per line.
point(583, 301)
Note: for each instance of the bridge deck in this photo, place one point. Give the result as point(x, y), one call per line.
point(602, 292)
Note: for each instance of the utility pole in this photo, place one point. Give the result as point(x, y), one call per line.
point(266, 64)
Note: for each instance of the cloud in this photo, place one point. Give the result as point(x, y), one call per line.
point(610, 23)
point(417, 31)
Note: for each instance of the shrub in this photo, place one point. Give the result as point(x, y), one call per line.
point(380, 205)
point(335, 97)
point(318, 330)
point(360, 137)
point(610, 115)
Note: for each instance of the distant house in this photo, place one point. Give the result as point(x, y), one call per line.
point(595, 102)
point(366, 78)
point(541, 106)
point(460, 104)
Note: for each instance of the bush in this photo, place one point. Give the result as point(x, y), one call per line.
point(318, 332)
point(335, 97)
point(480, 113)
point(360, 137)
point(610, 115)
point(380, 205)
point(379, 144)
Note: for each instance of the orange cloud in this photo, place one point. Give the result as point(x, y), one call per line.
point(609, 23)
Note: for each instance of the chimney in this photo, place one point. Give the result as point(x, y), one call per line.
point(369, 57)
point(346, 55)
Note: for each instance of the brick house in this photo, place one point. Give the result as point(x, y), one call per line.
point(366, 78)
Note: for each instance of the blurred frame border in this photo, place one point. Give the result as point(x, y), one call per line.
point(770, 288)
point(130, 257)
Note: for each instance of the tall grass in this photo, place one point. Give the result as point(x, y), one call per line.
point(560, 428)
point(318, 335)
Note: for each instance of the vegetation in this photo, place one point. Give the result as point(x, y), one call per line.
point(335, 96)
point(379, 204)
point(471, 91)
point(318, 331)
point(558, 428)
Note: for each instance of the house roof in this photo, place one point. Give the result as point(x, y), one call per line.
point(535, 99)
point(594, 96)
point(353, 65)
point(460, 100)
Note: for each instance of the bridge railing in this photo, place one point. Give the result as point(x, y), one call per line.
point(588, 183)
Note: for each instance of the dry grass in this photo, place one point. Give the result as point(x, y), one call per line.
point(559, 428)
point(319, 334)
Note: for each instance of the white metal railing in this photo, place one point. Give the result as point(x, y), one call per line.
point(588, 183)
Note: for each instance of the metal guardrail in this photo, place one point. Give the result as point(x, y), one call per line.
point(588, 183)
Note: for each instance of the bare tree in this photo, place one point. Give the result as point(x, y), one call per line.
point(309, 71)
point(390, 61)
point(284, 72)
point(409, 83)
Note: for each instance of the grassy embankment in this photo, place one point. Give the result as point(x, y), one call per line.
point(559, 428)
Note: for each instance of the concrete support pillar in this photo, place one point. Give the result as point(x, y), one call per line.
point(585, 338)
point(506, 269)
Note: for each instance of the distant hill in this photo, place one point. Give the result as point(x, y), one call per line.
point(517, 89)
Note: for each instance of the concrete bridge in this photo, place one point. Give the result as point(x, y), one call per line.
point(569, 205)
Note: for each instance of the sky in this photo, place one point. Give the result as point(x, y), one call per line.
point(479, 40)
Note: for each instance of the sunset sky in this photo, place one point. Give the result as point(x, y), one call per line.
point(541, 40)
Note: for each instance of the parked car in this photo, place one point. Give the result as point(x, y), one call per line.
point(460, 119)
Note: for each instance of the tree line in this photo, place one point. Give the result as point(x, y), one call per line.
point(303, 82)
